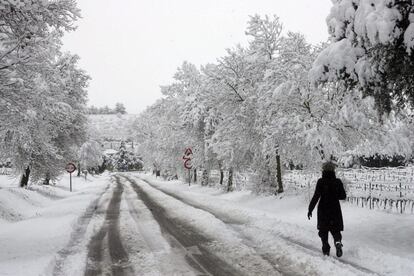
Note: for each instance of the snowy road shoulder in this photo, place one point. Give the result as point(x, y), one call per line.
point(43, 225)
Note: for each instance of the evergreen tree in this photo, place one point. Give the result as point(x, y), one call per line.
point(120, 108)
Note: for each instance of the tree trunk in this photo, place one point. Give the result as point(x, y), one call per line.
point(279, 175)
point(102, 167)
point(220, 164)
point(230, 181)
point(204, 180)
point(195, 175)
point(221, 176)
point(25, 178)
point(268, 178)
point(79, 169)
point(47, 179)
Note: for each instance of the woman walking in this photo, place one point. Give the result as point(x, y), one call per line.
point(329, 190)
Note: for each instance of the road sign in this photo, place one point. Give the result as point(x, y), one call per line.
point(188, 155)
point(70, 167)
point(188, 152)
point(187, 164)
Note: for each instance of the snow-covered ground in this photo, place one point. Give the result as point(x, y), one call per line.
point(36, 223)
point(375, 240)
point(48, 230)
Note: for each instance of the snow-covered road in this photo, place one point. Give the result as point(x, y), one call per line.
point(138, 227)
point(132, 224)
point(142, 230)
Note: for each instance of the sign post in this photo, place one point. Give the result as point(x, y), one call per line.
point(70, 168)
point(188, 155)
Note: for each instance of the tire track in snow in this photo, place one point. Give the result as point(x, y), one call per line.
point(168, 255)
point(234, 224)
point(119, 257)
point(78, 235)
point(186, 237)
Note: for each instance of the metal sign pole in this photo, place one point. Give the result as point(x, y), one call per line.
point(187, 163)
point(70, 168)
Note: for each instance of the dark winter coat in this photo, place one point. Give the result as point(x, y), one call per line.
point(329, 190)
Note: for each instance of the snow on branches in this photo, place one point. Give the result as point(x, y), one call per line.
point(371, 50)
point(42, 91)
point(256, 106)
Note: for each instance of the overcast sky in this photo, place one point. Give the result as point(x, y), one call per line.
point(131, 47)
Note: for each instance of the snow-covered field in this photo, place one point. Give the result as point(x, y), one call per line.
point(375, 240)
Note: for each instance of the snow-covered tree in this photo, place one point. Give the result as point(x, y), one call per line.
point(266, 33)
point(189, 92)
point(125, 160)
point(42, 91)
point(256, 109)
point(371, 50)
point(90, 155)
point(370, 55)
point(120, 108)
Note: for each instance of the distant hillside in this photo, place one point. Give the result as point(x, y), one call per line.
point(111, 127)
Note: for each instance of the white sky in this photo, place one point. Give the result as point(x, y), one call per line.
point(131, 47)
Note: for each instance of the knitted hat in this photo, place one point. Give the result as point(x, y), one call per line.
point(328, 166)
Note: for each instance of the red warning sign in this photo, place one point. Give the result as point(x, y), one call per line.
point(188, 155)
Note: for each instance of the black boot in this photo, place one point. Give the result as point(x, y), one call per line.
point(325, 249)
point(338, 246)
